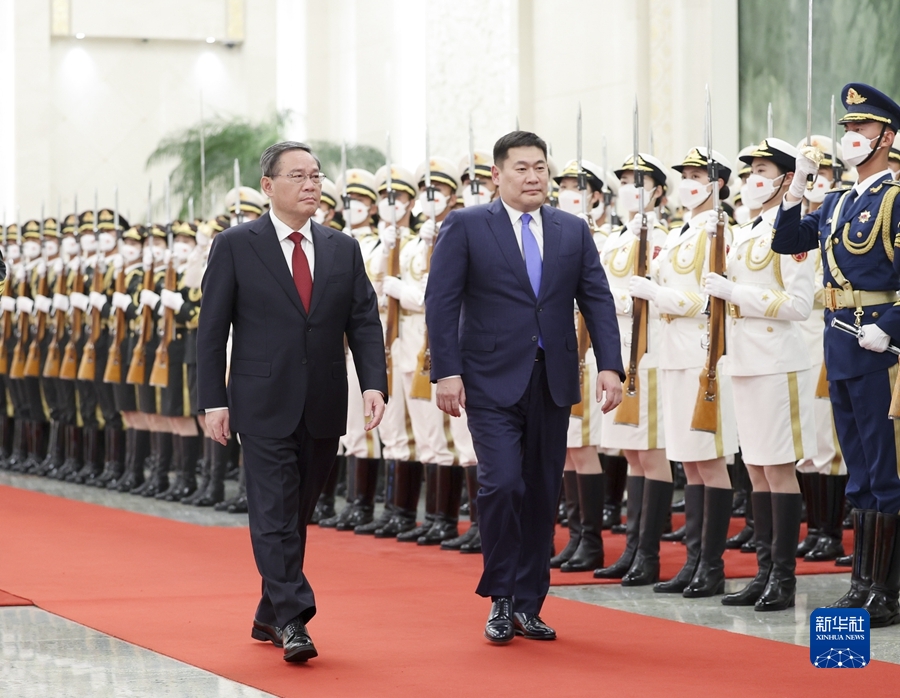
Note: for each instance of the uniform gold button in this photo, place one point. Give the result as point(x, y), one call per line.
point(769, 329)
point(859, 235)
point(875, 314)
point(740, 256)
point(700, 326)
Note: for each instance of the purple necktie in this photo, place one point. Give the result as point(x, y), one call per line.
point(533, 262)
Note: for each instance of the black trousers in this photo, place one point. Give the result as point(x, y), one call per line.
point(521, 453)
point(284, 480)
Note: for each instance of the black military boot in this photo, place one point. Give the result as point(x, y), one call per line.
point(635, 489)
point(573, 517)
point(17, 449)
point(830, 509)
point(177, 466)
point(36, 452)
point(349, 467)
point(693, 532)
point(863, 560)
point(56, 452)
point(186, 476)
point(325, 506)
point(218, 463)
point(6, 439)
point(449, 495)
point(744, 537)
point(883, 604)
point(616, 470)
point(413, 535)
point(811, 489)
point(407, 488)
point(137, 451)
point(390, 474)
point(18, 463)
point(589, 553)
point(160, 462)
point(92, 466)
point(762, 537)
point(363, 507)
point(709, 579)
point(114, 465)
point(203, 465)
point(472, 535)
point(74, 454)
point(779, 592)
point(655, 509)
point(238, 505)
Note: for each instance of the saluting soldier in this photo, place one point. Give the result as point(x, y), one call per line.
point(856, 229)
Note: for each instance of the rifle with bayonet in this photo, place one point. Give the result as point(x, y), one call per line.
point(68, 369)
point(87, 370)
point(52, 364)
point(706, 408)
point(159, 374)
point(17, 368)
point(6, 321)
point(392, 326)
point(629, 411)
point(137, 369)
point(33, 361)
point(113, 371)
point(584, 340)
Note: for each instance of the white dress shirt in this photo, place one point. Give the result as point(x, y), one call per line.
point(283, 230)
point(536, 226)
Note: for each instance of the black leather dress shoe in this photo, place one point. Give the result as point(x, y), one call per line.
point(499, 628)
point(266, 633)
point(298, 647)
point(531, 627)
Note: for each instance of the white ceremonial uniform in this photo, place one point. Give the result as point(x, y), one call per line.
point(828, 460)
point(617, 258)
point(766, 354)
point(357, 441)
point(679, 269)
point(587, 429)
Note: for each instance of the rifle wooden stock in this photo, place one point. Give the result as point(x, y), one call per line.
point(894, 410)
point(822, 385)
point(137, 370)
point(113, 372)
point(159, 374)
point(33, 362)
point(392, 329)
point(5, 330)
point(583, 344)
point(706, 408)
point(17, 368)
point(87, 371)
point(421, 382)
point(52, 362)
point(629, 411)
point(68, 370)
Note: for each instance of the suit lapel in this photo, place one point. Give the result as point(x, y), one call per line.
point(552, 235)
point(323, 242)
point(265, 244)
point(499, 223)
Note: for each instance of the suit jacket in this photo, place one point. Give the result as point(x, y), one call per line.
point(284, 362)
point(484, 319)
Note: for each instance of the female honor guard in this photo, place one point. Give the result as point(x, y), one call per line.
point(769, 366)
point(650, 481)
point(677, 293)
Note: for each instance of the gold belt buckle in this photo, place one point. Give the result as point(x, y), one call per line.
point(831, 298)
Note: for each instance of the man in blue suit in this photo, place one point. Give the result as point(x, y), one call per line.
point(499, 309)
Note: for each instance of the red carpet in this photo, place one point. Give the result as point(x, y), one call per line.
point(11, 600)
point(672, 555)
point(394, 620)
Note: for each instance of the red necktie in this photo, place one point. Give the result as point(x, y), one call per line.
point(300, 267)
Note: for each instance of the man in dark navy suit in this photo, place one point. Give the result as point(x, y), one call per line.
point(291, 289)
point(499, 308)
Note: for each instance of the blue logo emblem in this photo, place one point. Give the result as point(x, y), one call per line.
point(839, 638)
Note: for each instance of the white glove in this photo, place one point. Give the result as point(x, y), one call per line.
point(149, 298)
point(24, 304)
point(98, 300)
point(388, 236)
point(20, 273)
point(41, 267)
point(718, 286)
point(427, 231)
point(42, 303)
point(117, 262)
point(121, 300)
point(7, 304)
point(172, 299)
point(712, 224)
point(60, 302)
point(640, 287)
point(392, 286)
point(148, 256)
point(74, 264)
point(634, 225)
point(58, 265)
point(873, 338)
point(803, 168)
point(78, 300)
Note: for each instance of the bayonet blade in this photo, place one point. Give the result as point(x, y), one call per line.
point(770, 123)
point(473, 181)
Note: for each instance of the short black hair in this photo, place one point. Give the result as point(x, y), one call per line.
point(517, 139)
point(268, 161)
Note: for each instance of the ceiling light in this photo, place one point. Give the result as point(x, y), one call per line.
point(79, 35)
point(210, 39)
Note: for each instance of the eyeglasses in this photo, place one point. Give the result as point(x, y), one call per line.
point(300, 177)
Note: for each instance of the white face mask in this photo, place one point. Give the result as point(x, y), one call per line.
point(570, 200)
point(88, 242)
point(159, 253)
point(470, 199)
point(107, 242)
point(384, 210)
point(202, 238)
point(318, 217)
point(31, 249)
point(856, 147)
point(630, 198)
point(741, 214)
point(758, 190)
point(597, 212)
point(12, 252)
point(692, 193)
point(432, 208)
point(357, 214)
point(181, 250)
point(821, 187)
point(131, 253)
point(51, 247)
point(896, 175)
point(70, 246)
